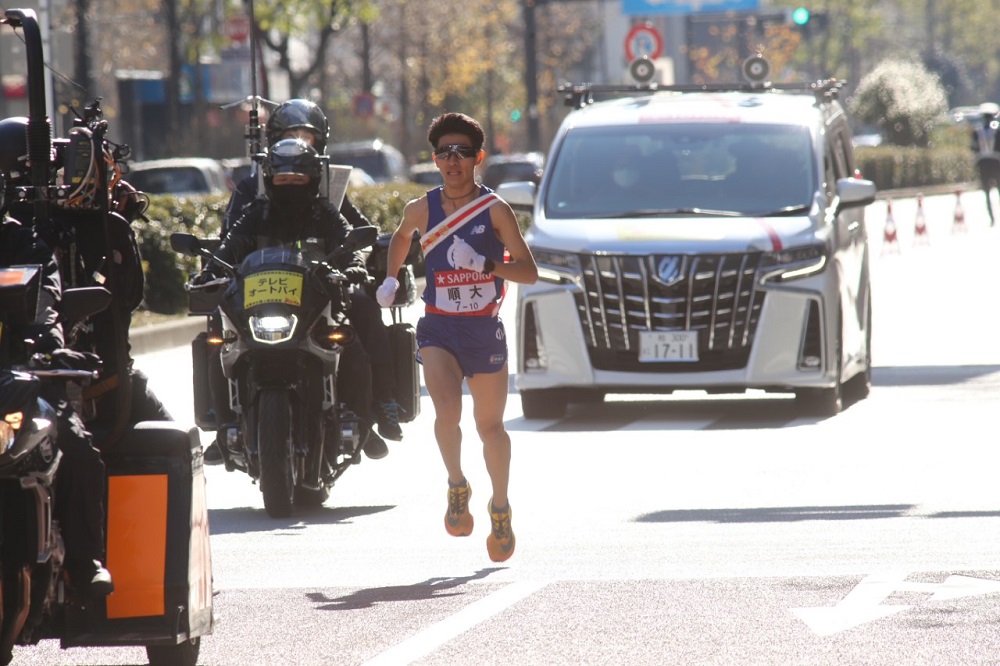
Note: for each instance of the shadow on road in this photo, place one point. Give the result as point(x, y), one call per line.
point(711, 413)
point(432, 588)
point(930, 375)
point(243, 520)
point(790, 514)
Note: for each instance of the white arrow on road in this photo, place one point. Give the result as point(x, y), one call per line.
point(864, 603)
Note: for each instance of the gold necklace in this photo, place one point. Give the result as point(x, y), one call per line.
point(443, 193)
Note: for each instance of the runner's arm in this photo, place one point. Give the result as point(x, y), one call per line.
point(521, 268)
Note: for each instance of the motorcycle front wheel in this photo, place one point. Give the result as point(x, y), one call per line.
point(274, 439)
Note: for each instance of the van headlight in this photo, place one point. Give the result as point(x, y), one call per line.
point(272, 329)
point(558, 267)
point(793, 263)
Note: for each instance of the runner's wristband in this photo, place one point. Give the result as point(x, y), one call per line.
point(488, 266)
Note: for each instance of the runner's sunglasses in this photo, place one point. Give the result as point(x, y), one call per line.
point(463, 152)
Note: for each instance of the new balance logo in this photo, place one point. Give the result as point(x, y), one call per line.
point(480, 229)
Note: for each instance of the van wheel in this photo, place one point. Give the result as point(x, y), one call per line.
point(860, 385)
point(182, 654)
point(543, 404)
point(825, 401)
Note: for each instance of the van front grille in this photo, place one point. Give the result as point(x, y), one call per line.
point(714, 294)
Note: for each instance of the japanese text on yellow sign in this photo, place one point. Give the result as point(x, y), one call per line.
point(273, 287)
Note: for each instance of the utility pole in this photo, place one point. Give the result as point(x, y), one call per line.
point(531, 73)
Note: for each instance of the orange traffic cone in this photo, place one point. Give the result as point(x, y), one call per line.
point(920, 226)
point(959, 224)
point(890, 238)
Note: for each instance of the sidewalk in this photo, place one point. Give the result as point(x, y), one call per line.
point(156, 337)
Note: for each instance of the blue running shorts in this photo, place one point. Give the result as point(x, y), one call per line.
point(479, 344)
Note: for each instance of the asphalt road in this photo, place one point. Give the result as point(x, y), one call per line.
point(679, 530)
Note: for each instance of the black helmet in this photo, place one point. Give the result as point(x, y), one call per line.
point(298, 113)
point(14, 148)
point(292, 156)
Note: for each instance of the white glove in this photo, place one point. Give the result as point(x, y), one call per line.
point(386, 293)
point(461, 255)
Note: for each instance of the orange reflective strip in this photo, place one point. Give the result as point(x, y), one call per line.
point(137, 544)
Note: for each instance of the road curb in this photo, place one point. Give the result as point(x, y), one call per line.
point(156, 337)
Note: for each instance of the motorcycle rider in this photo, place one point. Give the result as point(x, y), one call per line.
point(293, 213)
point(986, 146)
point(303, 119)
point(80, 480)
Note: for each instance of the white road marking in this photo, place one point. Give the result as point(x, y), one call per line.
point(425, 642)
point(864, 603)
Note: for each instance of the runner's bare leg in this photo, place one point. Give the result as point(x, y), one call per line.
point(489, 399)
point(443, 378)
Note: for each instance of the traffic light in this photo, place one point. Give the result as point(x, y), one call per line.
point(806, 22)
point(515, 115)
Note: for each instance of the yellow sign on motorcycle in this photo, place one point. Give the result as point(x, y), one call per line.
point(273, 287)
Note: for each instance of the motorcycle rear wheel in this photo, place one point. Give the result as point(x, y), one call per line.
point(274, 439)
point(182, 654)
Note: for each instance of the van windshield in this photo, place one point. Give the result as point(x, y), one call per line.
point(682, 169)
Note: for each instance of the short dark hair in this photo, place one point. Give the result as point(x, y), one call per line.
point(456, 123)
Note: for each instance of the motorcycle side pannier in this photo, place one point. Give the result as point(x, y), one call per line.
point(403, 342)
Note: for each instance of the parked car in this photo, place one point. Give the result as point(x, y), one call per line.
point(711, 240)
point(180, 175)
point(868, 136)
point(426, 173)
point(514, 167)
point(236, 169)
point(384, 163)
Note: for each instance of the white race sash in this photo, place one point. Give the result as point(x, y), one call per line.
point(455, 221)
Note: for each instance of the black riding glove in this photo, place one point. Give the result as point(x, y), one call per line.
point(356, 274)
point(68, 359)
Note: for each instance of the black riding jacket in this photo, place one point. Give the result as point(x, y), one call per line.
point(317, 224)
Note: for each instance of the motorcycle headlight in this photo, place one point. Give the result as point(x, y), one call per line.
point(793, 263)
point(558, 267)
point(8, 430)
point(272, 329)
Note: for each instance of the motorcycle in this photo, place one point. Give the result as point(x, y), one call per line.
point(156, 523)
point(36, 597)
point(282, 330)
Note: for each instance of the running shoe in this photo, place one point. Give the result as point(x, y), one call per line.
point(500, 542)
point(458, 520)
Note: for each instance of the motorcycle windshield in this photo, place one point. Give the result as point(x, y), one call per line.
point(273, 255)
point(274, 275)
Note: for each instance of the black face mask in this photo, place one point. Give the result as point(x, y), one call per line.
point(292, 196)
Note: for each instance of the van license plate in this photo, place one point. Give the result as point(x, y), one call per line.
point(668, 346)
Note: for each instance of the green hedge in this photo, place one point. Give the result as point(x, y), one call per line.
point(166, 271)
point(895, 167)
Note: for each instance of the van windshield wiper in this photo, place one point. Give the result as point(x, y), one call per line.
point(661, 212)
point(787, 210)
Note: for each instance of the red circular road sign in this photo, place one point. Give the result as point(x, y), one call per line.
point(643, 40)
point(237, 29)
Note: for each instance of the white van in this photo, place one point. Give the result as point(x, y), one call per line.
point(700, 237)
